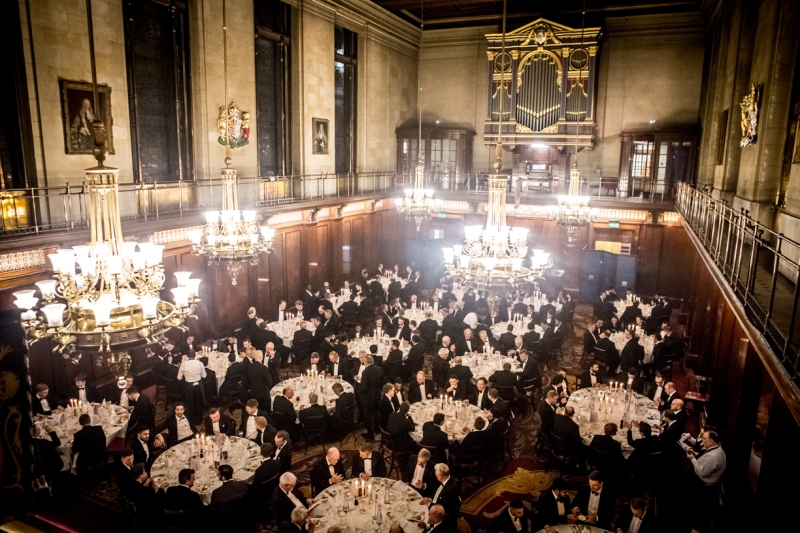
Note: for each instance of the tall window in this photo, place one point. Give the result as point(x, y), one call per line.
point(157, 53)
point(344, 69)
point(273, 82)
point(642, 160)
point(722, 133)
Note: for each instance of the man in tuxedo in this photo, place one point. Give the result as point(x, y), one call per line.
point(504, 378)
point(182, 498)
point(596, 501)
point(148, 502)
point(480, 396)
point(529, 376)
point(554, 505)
point(143, 414)
point(648, 443)
point(279, 314)
point(367, 464)
point(447, 494)
point(605, 453)
point(681, 416)
point(218, 423)
point(40, 403)
point(593, 377)
point(123, 394)
point(265, 432)
point(420, 473)
point(338, 366)
point(475, 439)
point(421, 389)
point(372, 380)
point(547, 410)
point(529, 339)
point(393, 365)
point(630, 314)
point(632, 353)
point(609, 353)
point(467, 343)
point(327, 471)
point(83, 390)
point(143, 450)
point(433, 435)
point(230, 490)
point(635, 518)
point(441, 369)
point(463, 373)
point(251, 411)
point(498, 404)
point(260, 381)
point(286, 498)
point(91, 440)
point(299, 522)
point(428, 328)
point(178, 427)
point(344, 400)
point(283, 450)
point(568, 430)
point(633, 382)
point(515, 519)
point(232, 347)
point(313, 411)
point(399, 426)
point(268, 469)
point(122, 471)
point(671, 431)
point(386, 407)
point(670, 393)
point(488, 342)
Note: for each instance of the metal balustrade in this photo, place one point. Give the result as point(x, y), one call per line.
point(760, 266)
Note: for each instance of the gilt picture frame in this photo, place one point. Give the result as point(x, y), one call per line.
point(78, 111)
point(319, 136)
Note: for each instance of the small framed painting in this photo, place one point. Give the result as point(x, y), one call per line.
point(79, 111)
point(319, 141)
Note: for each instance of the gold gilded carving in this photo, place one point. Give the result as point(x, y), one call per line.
point(592, 51)
point(565, 52)
point(750, 106)
point(523, 129)
point(490, 55)
point(515, 54)
point(172, 235)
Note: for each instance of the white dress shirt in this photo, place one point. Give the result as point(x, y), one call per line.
point(593, 377)
point(361, 370)
point(515, 520)
point(469, 344)
point(562, 511)
point(277, 452)
point(280, 315)
point(250, 430)
point(636, 523)
point(192, 371)
point(594, 502)
point(293, 499)
point(147, 449)
point(44, 403)
point(215, 427)
point(123, 398)
point(435, 307)
point(368, 466)
point(331, 468)
point(480, 397)
point(82, 395)
point(419, 473)
point(439, 491)
point(336, 368)
point(184, 429)
point(657, 394)
point(399, 395)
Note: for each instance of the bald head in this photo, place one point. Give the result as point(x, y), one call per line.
point(435, 514)
point(676, 405)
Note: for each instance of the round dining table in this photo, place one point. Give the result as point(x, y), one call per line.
point(242, 454)
point(381, 503)
point(570, 528)
point(219, 363)
point(484, 365)
point(520, 328)
point(363, 343)
point(646, 341)
point(594, 406)
point(112, 418)
point(459, 417)
point(285, 329)
point(621, 305)
point(303, 387)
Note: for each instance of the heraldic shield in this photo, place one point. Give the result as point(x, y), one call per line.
point(233, 126)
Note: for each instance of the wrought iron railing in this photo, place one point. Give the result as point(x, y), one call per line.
point(760, 266)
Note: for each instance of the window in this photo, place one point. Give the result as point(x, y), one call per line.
point(273, 82)
point(722, 133)
point(641, 162)
point(157, 54)
point(345, 87)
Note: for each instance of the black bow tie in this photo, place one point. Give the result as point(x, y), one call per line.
point(592, 373)
point(596, 493)
point(81, 388)
point(182, 418)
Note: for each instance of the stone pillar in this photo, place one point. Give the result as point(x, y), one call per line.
point(591, 83)
point(624, 165)
point(490, 56)
point(564, 79)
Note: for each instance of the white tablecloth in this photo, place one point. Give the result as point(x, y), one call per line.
point(648, 341)
point(356, 345)
point(520, 328)
point(591, 413)
point(459, 416)
point(418, 315)
point(567, 528)
point(403, 507)
point(387, 280)
point(243, 455)
point(484, 365)
point(302, 388)
point(285, 330)
point(620, 305)
point(112, 418)
point(219, 363)
point(337, 300)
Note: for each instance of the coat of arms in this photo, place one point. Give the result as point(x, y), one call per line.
point(749, 106)
point(233, 126)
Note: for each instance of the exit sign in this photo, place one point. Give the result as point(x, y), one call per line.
point(613, 223)
point(441, 214)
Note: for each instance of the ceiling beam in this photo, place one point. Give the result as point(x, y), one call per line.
point(397, 5)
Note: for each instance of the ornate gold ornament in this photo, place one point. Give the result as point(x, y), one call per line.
point(750, 105)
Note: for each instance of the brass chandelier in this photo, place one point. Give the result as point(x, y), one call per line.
point(492, 256)
point(418, 203)
point(106, 295)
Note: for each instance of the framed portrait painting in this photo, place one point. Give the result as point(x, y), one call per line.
point(319, 140)
point(79, 110)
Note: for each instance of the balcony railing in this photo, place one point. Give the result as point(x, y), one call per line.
point(44, 209)
point(759, 265)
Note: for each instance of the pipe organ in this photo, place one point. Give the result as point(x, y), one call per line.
point(547, 80)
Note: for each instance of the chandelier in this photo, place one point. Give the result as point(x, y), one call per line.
point(418, 203)
point(231, 236)
point(105, 295)
point(572, 211)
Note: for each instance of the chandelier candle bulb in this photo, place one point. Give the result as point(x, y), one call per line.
point(54, 314)
point(182, 277)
